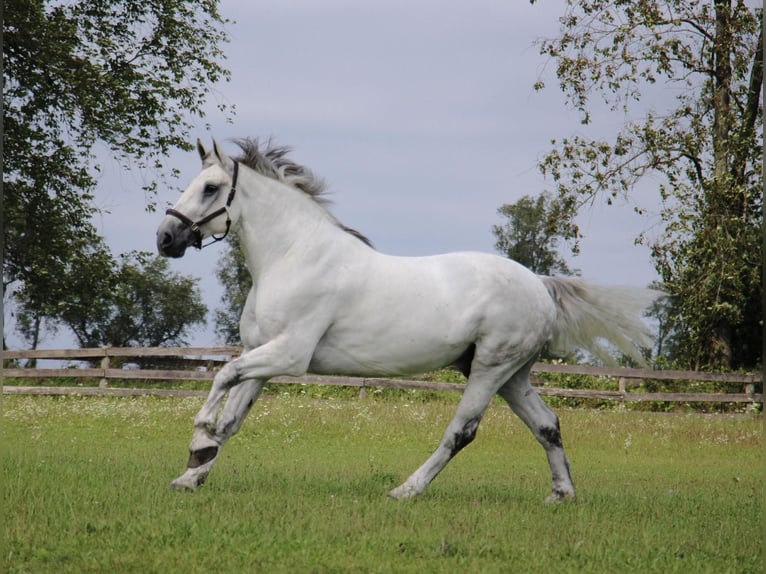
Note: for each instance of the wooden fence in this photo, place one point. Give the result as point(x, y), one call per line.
point(200, 364)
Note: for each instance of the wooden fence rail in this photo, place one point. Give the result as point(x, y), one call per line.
point(201, 364)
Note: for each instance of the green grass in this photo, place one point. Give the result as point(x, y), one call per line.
point(302, 489)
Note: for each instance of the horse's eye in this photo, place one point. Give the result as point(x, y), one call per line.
point(210, 189)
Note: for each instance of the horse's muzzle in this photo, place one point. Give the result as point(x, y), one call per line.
point(173, 238)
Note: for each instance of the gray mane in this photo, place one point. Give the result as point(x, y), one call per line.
point(271, 161)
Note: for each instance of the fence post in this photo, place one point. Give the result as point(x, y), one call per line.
point(104, 365)
point(621, 388)
point(363, 389)
point(750, 391)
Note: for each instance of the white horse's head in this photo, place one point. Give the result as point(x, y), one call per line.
point(205, 208)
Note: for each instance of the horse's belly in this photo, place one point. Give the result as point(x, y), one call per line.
point(389, 356)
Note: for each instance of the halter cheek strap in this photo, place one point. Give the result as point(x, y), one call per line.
point(194, 226)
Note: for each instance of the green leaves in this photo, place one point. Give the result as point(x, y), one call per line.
point(531, 233)
point(132, 75)
point(138, 303)
point(703, 151)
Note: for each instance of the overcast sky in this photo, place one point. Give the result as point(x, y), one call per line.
point(420, 115)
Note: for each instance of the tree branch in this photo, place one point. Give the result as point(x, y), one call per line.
point(750, 113)
point(697, 165)
point(754, 89)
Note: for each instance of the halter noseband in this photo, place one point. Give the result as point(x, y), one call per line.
point(195, 225)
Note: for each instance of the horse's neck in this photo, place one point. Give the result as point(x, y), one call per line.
point(274, 219)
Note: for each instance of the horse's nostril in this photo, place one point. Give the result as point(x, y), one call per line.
point(164, 242)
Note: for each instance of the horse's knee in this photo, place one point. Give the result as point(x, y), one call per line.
point(464, 436)
point(226, 377)
point(229, 426)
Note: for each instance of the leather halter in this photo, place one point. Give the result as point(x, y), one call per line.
point(195, 225)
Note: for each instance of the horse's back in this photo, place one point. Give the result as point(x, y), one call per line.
point(460, 282)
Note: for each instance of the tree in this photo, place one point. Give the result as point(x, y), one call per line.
point(705, 150)
point(125, 74)
point(236, 280)
point(81, 283)
point(144, 305)
point(527, 236)
point(47, 236)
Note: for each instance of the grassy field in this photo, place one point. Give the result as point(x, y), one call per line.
point(302, 489)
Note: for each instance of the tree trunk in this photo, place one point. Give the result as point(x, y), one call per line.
point(32, 363)
point(719, 194)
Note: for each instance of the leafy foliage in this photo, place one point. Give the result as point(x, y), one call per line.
point(142, 305)
point(128, 75)
point(51, 259)
point(705, 151)
point(529, 236)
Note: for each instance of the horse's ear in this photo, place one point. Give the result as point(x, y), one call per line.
point(218, 153)
point(203, 153)
point(210, 157)
point(223, 159)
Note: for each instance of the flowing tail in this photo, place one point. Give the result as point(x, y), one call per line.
point(587, 315)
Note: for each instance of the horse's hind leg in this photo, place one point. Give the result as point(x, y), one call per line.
point(544, 424)
point(206, 444)
point(460, 432)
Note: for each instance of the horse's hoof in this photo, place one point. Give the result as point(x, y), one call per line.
point(187, 482)
point(181, 486)
point(560, 496)
point(402, 493)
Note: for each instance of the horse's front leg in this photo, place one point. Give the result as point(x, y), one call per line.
point(243, 378)
point(281, 356)
point(223, 381)
point(206, 443)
